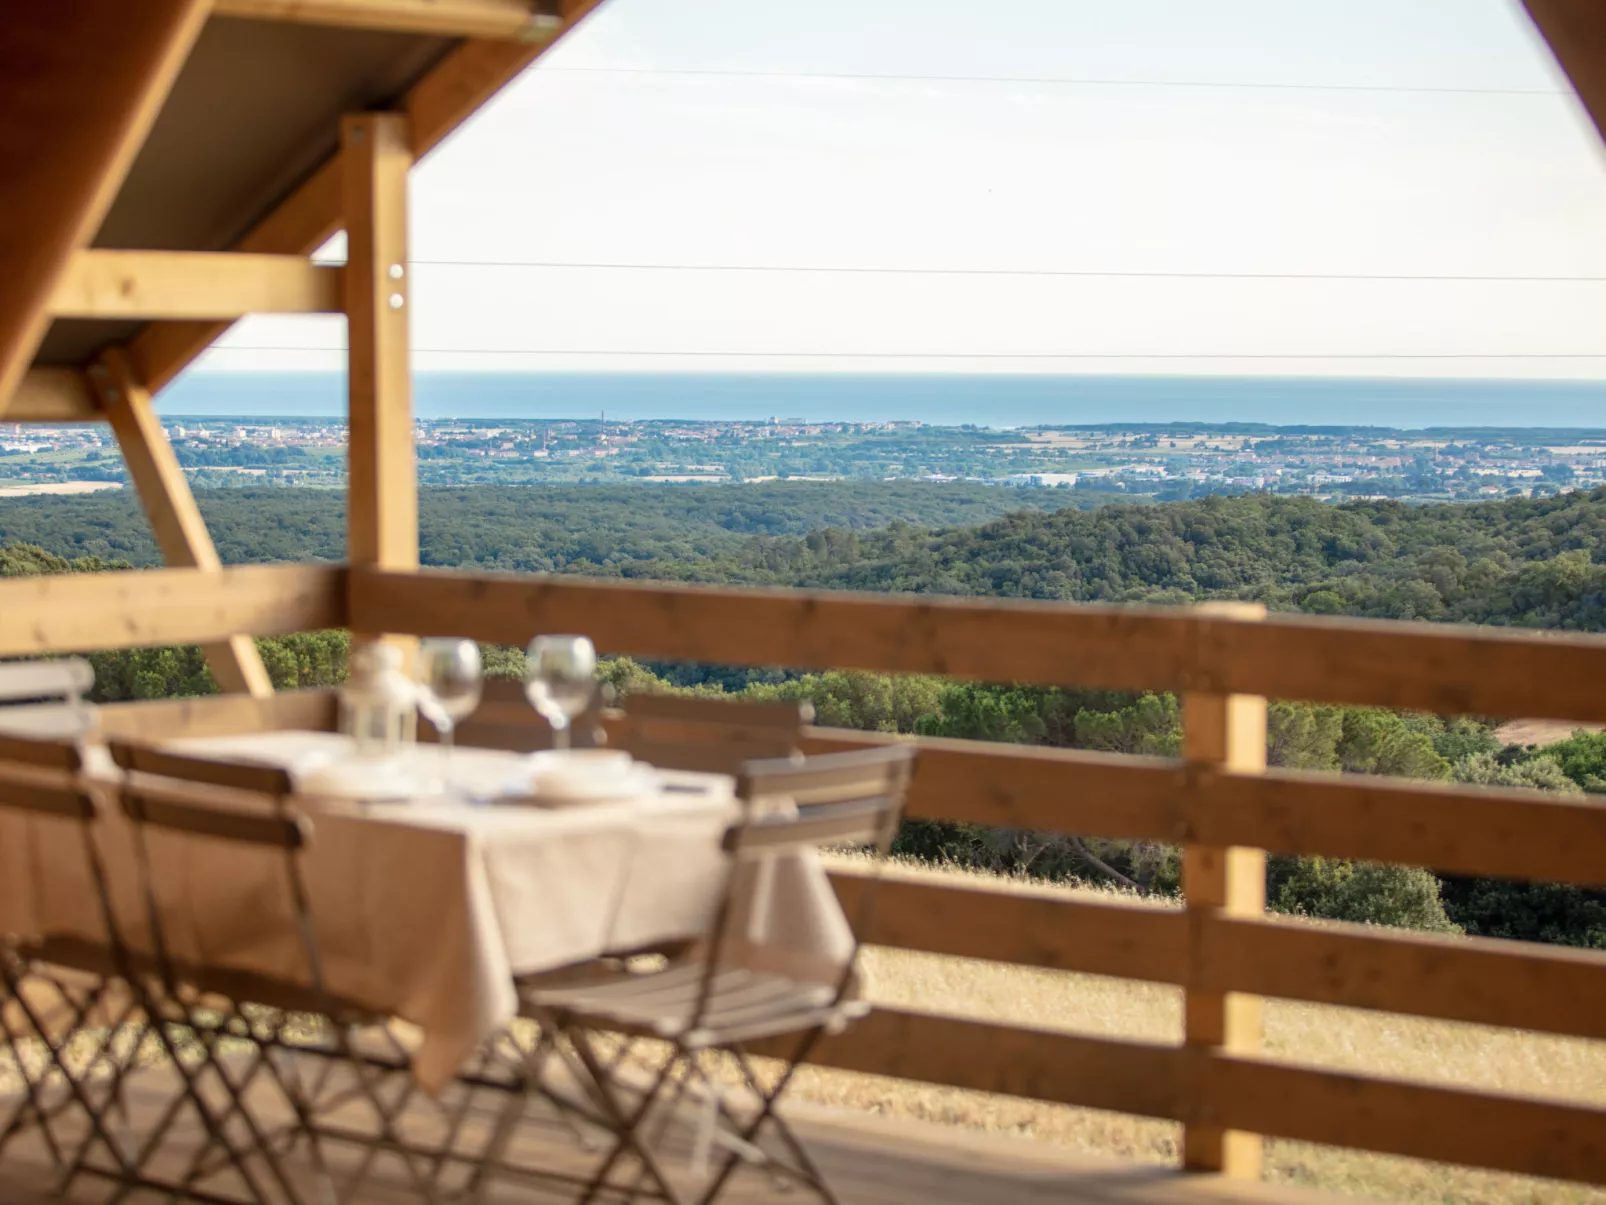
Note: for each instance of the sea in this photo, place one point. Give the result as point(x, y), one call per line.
point(996, 401)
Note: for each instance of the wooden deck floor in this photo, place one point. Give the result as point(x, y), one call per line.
point(868, 1160)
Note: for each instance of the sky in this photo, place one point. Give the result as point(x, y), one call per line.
point(1042, 186)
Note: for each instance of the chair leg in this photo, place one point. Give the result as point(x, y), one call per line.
point(103, 1053)
point(235, 1090)
point(31, 1110)
point(75, 1090)
point(807, 1171)
point(666, 1115)
point(626, 1124)
point(368, 1075)
point(205, 1038)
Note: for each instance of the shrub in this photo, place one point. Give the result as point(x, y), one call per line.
point(1582, 758)
point(1550, 912)
point(1367, 893)
point(1542, 773)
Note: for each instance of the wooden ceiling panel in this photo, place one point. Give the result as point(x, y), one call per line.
point(254, 112)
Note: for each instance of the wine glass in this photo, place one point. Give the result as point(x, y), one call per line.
point(560, 676)
point(450, 677)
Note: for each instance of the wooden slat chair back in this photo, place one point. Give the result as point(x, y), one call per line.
point(47, 697)
point(287, 830)
point(685, 732)
point(505, 720)
point(65, 678)
point(40, 776)
point(40, 753)
point(866, 823)
point(830, 778)
point(272, 782)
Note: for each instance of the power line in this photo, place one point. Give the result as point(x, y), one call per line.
point(1075, 81)
point(964, 355)
point(849, 269)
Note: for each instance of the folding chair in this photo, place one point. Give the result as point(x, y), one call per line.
point(246, 805)
point(44, 699)
point(687, 732)
point(708, 1002)
point(54, 987)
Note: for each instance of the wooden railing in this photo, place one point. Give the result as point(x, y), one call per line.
point(1223, 957)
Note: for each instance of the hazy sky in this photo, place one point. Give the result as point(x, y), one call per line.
point(1059, 140)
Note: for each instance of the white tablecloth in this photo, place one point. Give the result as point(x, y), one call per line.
point(426, 910)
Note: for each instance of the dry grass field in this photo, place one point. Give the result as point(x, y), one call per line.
point(1348, 1039)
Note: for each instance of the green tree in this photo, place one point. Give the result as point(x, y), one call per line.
point(1375, 741)
point(975, 711)
point(1367, 893)
point(1582, 758)
point(1151, 725)
point(865, 701)
point(1300, 737)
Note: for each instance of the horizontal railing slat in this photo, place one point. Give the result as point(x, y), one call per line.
point(1021, 926)
point(76, 612)
point(1554, 989)
point(1456, 829)
point(1520, 834)
point(1003, 640)
point(1450, 669)
point(1421, 1121)
point(1097, 1073)
point(1435, 667)
point(1032, 787)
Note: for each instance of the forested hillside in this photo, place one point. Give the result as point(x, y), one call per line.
point(525, 529)
point(1531, 562)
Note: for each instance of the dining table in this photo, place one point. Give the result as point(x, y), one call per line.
point(428, 907)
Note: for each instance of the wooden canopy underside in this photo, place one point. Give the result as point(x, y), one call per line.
point(234, 149)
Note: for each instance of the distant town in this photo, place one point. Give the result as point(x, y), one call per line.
point(1151, 462)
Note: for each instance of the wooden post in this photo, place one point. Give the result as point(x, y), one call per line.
point(1220, 732)
point(175, 520)
point(382, 485)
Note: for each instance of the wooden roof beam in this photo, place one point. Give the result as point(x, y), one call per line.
point(444, 99)
point(53, 395)
point(194, 284)
point(1576, 31)
point(81, 81)
point(520, 20)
